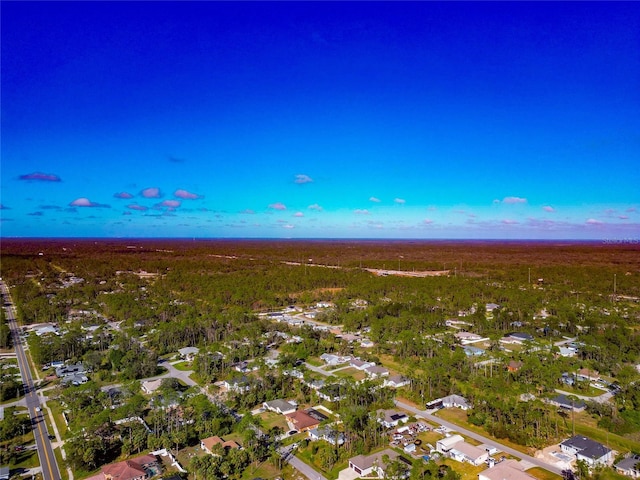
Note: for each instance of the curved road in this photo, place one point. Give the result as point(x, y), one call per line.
point(48, 462)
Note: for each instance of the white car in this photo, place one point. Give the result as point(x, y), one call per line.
point(38, 409)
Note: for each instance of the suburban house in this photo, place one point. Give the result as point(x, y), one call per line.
point(367, 465)
point(240, 384)
point(150, 386)
point(376, 371)
point(138, 468)
point(455, 401)
point(208, 444)
point(75, 379)
point(629, 466)
point(507, 470)
point(332, 360)
point(301, 421)
point(517, 338)
point(360, 364)
point(280, 406)
point(588, 450)
point(445, 444)
point(396, 381)
point(471, 351)
point(585, 374)
point(391, 418)
point(563, 401)
point(466, 338)
point(465, 452)
point(188, 353)
point(327, 434)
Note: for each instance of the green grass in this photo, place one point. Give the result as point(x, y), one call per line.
point(459, 417)
point(264, 470)
point(61, 464)
point(272, 419)
point(183, 366)
point(56, 410)
point(586, 425)
point(315, 361)
point(466, 470)
point(350, 373)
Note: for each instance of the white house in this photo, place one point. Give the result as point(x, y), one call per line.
point(376, 371)
point(280, 406)
point(445, 444)
point(588, 450)
point(188, 353)
point(465, 452)
point(360, 364)
point(150, 386)
point(455, 401)
point(327, 434)
point(365, 466)
point(391, 418)
point(396, 381)
point(629, 466)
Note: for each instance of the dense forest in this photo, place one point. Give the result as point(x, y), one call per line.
point(163, 295)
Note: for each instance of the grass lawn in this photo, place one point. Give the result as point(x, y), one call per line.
point(307, 457)
point(272, 419)
point(459, 417)
point(350, 372)
point(264, 470)
point(466, 470)
point(587, 426)
point(56, 410)
point(26, 459)
point(589, 392)
point(429, 437)
point(542, 474)
point(390, 363)
point(183, 366)
point(61, 465)
point(315, 361)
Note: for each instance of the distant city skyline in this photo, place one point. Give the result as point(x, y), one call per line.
point(501, 120)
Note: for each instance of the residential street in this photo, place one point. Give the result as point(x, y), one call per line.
point(532, 460)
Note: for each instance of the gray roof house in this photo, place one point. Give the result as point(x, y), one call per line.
point(280, 406)
point(586, 449)
point(629, 466)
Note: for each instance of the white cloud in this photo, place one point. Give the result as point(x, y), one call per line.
point(298, 214)
point(361, 212)
point(301, 179)
point(374, 199)
point(512, 200)
point(315, 206)
point(278, 206)
point(548, 208)
point(399, 201)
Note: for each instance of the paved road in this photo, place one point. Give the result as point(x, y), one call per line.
point(535, 461)
point(303, 468)
point(48, 463)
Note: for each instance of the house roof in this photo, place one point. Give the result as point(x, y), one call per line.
point(152, 385)
point(586, 447)
point(211, 442)
point(468, 450)
point(450, 441)
point(507, 470)
point(564, 401)
point(189, 351)
point(631, 463)
point(128, 469)
point(392, 415)
point(302, 420)
point(376, 370)
point(365, 462)
point(279, 404)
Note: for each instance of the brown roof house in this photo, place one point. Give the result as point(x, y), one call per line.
point(208, 444)
point(301, 421)
point(138, 468)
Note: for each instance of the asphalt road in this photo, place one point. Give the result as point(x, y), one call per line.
point(48, 463)
point(527, 458)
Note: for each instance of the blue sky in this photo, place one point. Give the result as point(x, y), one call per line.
point(359, 120)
